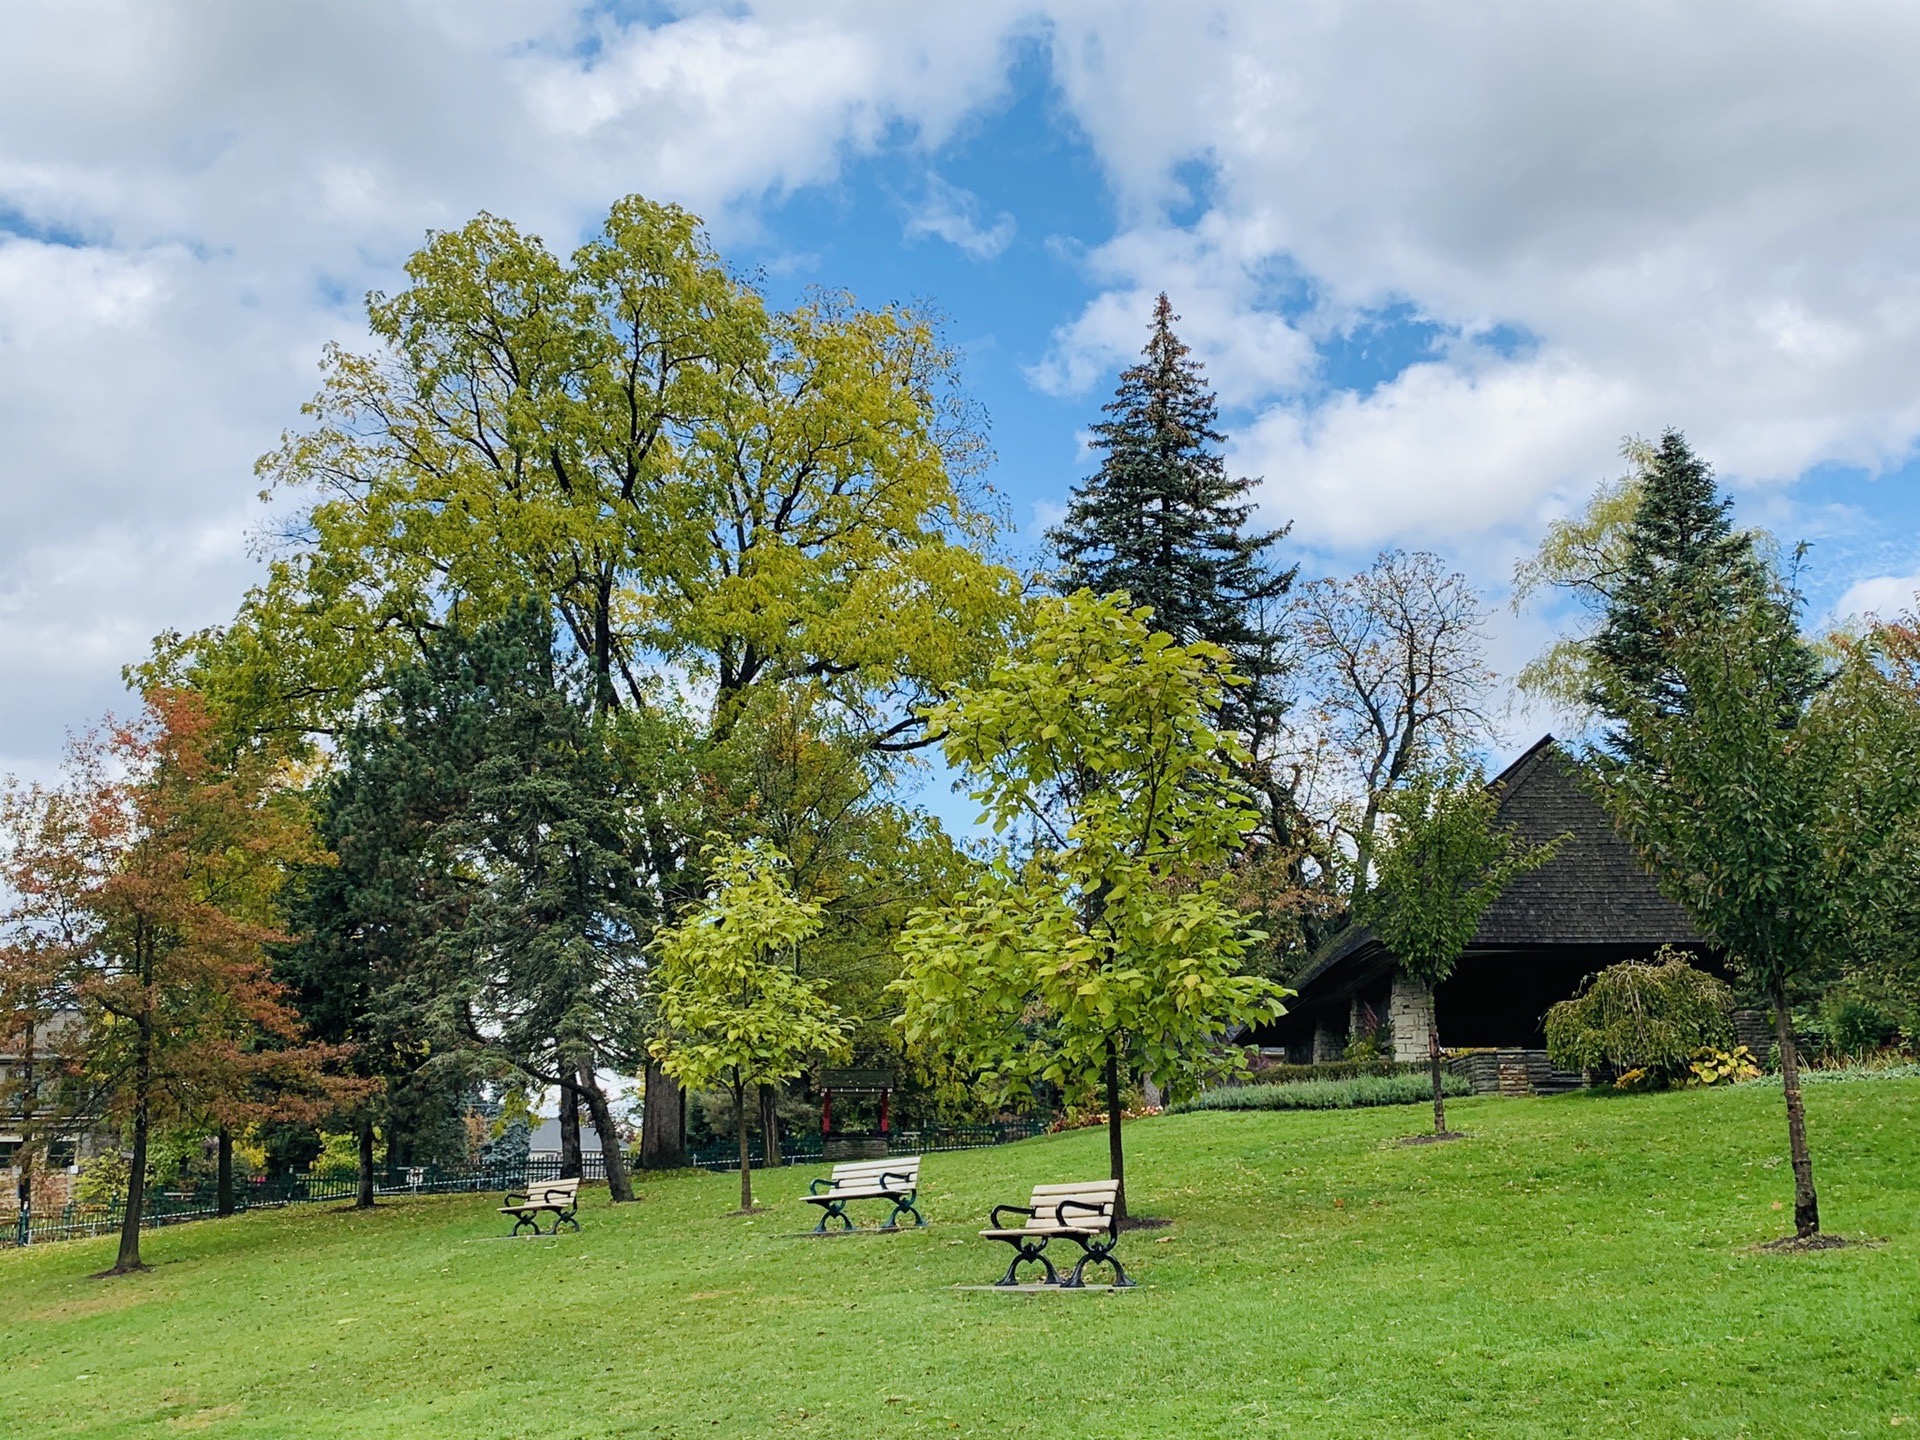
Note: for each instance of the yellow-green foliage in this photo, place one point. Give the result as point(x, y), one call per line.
point(1113, 936)
point(731, 1009)
point(633, 436)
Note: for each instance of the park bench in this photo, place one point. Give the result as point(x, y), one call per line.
point(896, 1179)
point(1082, 1213)
point(558, 1198)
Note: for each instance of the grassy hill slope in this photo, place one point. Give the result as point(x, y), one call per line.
point(1580, 1266)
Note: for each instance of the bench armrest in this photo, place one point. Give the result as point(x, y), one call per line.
point(511, 1195)
point(813, 1185)
point(1060, 1211)
point(900, 1175)
point(993, 1223)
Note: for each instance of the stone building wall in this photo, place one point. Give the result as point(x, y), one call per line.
point(1409, 1016)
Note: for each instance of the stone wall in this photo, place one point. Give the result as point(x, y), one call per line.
point(1409, 1016)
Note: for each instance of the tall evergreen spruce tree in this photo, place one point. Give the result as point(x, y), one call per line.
point(1686, 566)
point(1162, 520)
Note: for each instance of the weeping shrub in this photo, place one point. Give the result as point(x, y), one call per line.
point(1648, 1016)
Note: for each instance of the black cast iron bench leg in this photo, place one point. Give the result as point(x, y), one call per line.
point(833, 1210)
point(1025, 1253)
point(1096, 1254)
point(903, 1207)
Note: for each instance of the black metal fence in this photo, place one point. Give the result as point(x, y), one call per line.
point(266, 1192)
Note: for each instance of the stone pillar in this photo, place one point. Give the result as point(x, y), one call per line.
point(1328, 1043)
point(1410, 1013)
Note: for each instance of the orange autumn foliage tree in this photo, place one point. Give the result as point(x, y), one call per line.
point(144, 888)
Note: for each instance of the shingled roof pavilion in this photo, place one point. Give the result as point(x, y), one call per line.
point(1593, 905)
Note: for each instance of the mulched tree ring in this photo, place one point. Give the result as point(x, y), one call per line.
point(1433, 1139)
point(1806, 1244)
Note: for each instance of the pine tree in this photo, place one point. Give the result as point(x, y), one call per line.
point(1686, 566)
point(1162, 520)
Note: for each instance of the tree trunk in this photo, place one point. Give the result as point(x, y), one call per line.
point(746, 1160)
point(363, 1195)
point(663, 1131)
point(570, 1165)
point(1116, 1157)
point(770, 1125)
point(619, 1183)
point(223, 1173)
point(1439, 1095)
point(129, 1257)
point(1806, 1205)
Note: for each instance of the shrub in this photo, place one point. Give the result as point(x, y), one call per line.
point(1855, 1027)
point(102, 1180)
point(1644, 1016)
point(1352, 1094)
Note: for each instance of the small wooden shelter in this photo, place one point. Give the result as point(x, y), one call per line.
point(1594, 904)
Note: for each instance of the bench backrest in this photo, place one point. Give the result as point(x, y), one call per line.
point(868, 1172)
point(553, 1192)
point(1048, 1209)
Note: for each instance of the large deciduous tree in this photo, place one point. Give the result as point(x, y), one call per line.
point(1445, 861)
point(1115, 948)
point(632, 436)
point(718, 502)
point(1871, 712)
point(733, 1009)
point(1394, 660)
point(146, 884)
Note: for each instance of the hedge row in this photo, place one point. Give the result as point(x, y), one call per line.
point(1284, 1074)
point(1349, 1094)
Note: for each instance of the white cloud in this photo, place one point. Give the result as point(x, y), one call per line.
point(1213, 277)
point(195, 193)
point(1440, 453)
point(1707, 225)
point(1883, 596)
point(49, 291)
point(954, 215)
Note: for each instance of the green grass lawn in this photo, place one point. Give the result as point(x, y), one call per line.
point(1581, 1266)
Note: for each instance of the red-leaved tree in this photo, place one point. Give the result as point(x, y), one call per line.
point(144, 894)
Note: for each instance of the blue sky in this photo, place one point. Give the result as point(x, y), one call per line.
point(1439, 259)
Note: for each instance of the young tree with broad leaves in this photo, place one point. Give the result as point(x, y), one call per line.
point(1747, 794)
point(1116, 947)
point(145, 888)
point(732, 1008)
point(1446, 859)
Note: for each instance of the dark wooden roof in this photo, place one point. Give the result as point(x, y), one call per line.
point(1594, 892)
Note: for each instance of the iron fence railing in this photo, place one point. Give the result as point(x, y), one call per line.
point(264, 1192)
